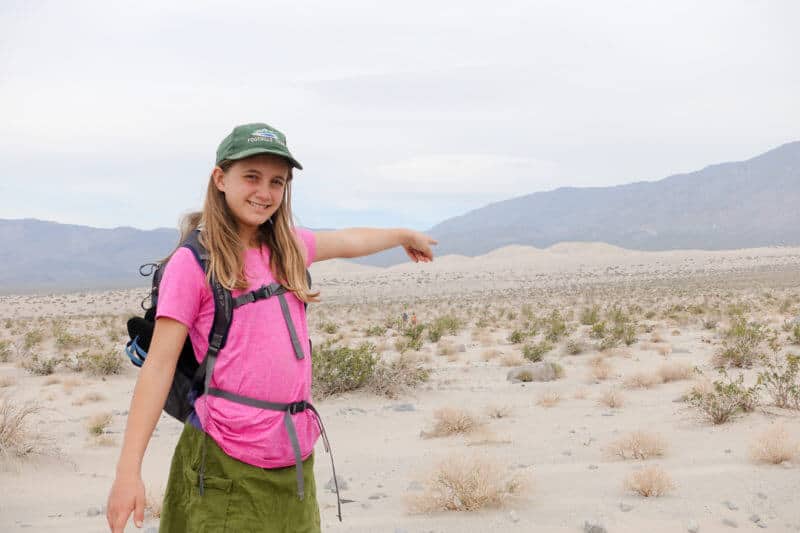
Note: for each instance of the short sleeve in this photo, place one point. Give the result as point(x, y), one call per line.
point(308, 238)
point(182, 288)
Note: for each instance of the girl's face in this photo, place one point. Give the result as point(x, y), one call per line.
point(254, 189)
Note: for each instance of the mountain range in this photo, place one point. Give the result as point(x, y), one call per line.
point(730, 205)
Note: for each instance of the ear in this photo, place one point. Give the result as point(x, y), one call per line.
point(219, 178)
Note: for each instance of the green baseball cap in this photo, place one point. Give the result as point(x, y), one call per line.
point(254, 139)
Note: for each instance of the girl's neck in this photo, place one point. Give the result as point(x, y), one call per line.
point(250, 240)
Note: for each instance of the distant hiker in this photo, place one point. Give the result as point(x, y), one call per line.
point(414, 319)
point(405, 318)
point(244, 460)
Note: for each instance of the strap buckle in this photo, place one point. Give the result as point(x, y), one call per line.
point(297, 407)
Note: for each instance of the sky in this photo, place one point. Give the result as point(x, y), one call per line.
point(402, 114)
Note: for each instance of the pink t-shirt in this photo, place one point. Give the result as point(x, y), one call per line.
point(257, 361)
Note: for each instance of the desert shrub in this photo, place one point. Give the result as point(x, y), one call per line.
point(393, 322)
point(397, 377)
point(339, 369)
point(517, 336)
point(526, 311)
point(612, 398)
point(741, 344)
point(590, 315)
point(649, 482)
point(641, 380)
point(452, 421)
point(600, 368)
point(774, 446)
point(598, 330)
point(17, 440)
point(465, 484)
point(625, 332)
point(40, 366)
point(5, 351)
point(535, 352)
point(446, 324)
point(512, 359)
point(97, 424)
point(329, 327)
point(727, 398)
point(638, 445)
point(556, 326)
point(32, 338)
point(64, 339)
point(490, 353)
point(794, 338)
point(574, 347)
point(781, 379)
point(102, 363)
point(675, 371)
point(548, 399)
point(376, 331)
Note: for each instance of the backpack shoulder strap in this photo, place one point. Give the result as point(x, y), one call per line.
point(223, 313)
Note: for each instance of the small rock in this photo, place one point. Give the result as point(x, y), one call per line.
point(761, 495)
point(567, 453)
point(730, 522)
point(762, 524)
point(693, 527)
point(727, 450)
point(377, 496)
point(403, 407)
point(329, 486)
point(462, 348)
point(606, 414)
point(513, 517)
point(591, 526)
point(755, 518)
point(94, 511)
point(366, 505)
point(730, 505)
point(624, 507)
point(593, 467)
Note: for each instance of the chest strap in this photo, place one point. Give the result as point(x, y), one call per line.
point(268, 291)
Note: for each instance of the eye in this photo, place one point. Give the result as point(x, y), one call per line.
point(251, 177)
point(277, 182)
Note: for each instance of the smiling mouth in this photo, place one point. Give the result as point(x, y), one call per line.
point(256, 204)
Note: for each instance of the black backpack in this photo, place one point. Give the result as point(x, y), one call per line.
point(192, 379)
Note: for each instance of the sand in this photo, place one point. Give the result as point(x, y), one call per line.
point(560, 452)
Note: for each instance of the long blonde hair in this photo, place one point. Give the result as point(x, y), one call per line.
point(220, 236)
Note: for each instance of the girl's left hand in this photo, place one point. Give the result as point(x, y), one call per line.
point(418, 246)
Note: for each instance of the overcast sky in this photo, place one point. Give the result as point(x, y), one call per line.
point(402, 113)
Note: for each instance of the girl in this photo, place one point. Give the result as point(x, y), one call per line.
point(241, 466)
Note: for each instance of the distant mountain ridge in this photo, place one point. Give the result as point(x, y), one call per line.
point(743, 204)
point(39, 255)
point(725, 206)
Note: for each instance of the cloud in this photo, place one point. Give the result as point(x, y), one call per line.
point(465, 174)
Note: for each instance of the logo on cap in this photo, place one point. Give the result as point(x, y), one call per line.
point(265, 133)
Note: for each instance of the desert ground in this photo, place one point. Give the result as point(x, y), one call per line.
point(577, 388)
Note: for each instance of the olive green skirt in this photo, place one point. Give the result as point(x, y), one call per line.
point(238, 497)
